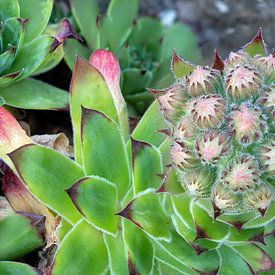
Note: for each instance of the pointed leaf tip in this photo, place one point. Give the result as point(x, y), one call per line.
point(218, 63)
point(66, 31)
point(256, 45)
point(180, 67)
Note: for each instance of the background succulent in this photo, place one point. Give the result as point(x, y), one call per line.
point(143, 45)
point(124, 210)
point(29, 48)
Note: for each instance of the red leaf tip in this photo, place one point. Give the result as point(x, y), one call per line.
point(218, 63)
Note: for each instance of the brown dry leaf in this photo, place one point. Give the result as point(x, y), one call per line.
point(58, 142)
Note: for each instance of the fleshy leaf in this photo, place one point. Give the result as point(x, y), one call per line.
point(186, 254)
point(20, 228)
point(142, 31)
point(146, 130)
point(114, 28)
point(100, 153)
point(117, 254)
point(8, 9)
point(146, 212)
point(31, 56)
point(43, 169)
point(12, 135)
point(38, 13)
point(11, 268)
point(147, 163)
point(96, 199)
point(135, 81)
point(107, 64)
point(169, 259)
point(256, 45)
point(81, 251)
point(141, 251)
point(206, 227)
point(72, 48)
point(34, 94)
point(184, 222)
point(231, 262)
point(255, 256)
point(88, 89)
point(85, 14)
point(180, 67)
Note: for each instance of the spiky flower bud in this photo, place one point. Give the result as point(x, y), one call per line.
point(227, 125)
point(224, 198)
point(185, 129)
point(235, 59)
point(201, 81)
point(267, 100)
point(241, 174)
point(267, 65)
point(246, 123)
point(242, 82)
point(198, 182)
point(182, 156)
point(212, 145)
point(259, 198)
point(209, 111)
point(170, 100)
point(267, 156)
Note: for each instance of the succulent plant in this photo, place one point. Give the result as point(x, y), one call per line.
point(29, 48)
point(143, 45)
point(131, 203)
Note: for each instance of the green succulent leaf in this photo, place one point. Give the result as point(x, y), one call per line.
point(51, 60)
point(180, 67)
point(147, 164)
point(31, 56)
point(206, 226)
point(231, 262)
point(142, 33)
point(100, 153)
point(262, 221)
point(88, 89)
point(96, 199)
point(183, 219)
point(82, 251)
point(117, 254)
point(85, 14)
point(135, 80)
point(183, 252)
point(2, 101)
point(72, 48)
point(12, 268)
point(47, 174)
point(150, 123)
point(8, 9)
point(6, 60)
point(167, 258)
point(255, 256)
point(114, 28)
point(256, 45)
point(34, 94)
point(11, 33)
point(146, 211)
point(141, 250)
point(181, 38)
point(38, 14)
point(63, 229)
point(18, 237)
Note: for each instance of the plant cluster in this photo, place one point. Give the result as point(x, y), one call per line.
point(200, 201)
